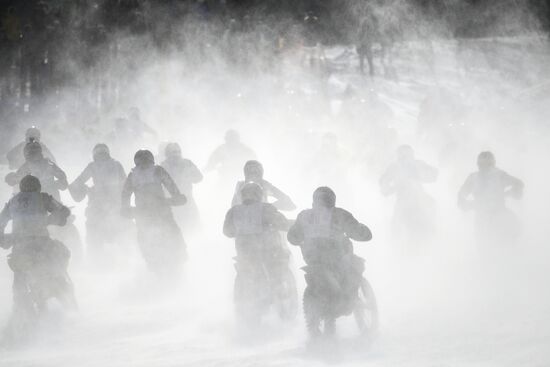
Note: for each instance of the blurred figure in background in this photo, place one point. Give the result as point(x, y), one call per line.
point(330, 162)
point(264, 278)
point(38, 262)
point(442, 124)
point(254, 172)
point(131, 130)
point(136, 125)
point(485, 192)
point(368, 34)
point(414, 211)
point(229, 157)
point(185, 173)
point(334, 274)
point(103, 222)
point(159, 237)
point(16, 156)
point(368, 123)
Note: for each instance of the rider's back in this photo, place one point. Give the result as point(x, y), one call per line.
point(29, 213)
point(147, 185)
point(253, 219)
point(324, 234)
point(488, 189)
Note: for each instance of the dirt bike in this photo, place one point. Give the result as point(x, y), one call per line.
point(40, 274)
point(331, 293)
point(160, 240)
point(262, 283)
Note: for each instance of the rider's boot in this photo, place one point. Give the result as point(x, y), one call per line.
point(67, 297)
point(24, 315)
point(313, 325)
point(330, 327)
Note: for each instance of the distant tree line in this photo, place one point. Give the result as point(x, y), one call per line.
point(43, 42)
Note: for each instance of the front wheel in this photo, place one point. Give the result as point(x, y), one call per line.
point(286, 297)
point(366, 309)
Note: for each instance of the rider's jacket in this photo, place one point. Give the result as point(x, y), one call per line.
point(108, 178)
point(148, 184)
point(184, 172)
point(253, 219)
point(52, 178)
point(489, 190)
point(406, 179)
point(31, 213)
point(324, 234)
point(283, 201)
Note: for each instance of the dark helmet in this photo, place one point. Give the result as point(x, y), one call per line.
point(32, 151)
point(405, 153)
point(30, 184)
point(253, 170)
point(172, 150)
point(232, 137)
point(32, 134)
point(324, 197)
point(134, 113)
point(251, 193)
point(101, 152)
point(143, 158)
point(486, 160)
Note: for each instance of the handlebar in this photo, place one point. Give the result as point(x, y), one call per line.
point(130, 211)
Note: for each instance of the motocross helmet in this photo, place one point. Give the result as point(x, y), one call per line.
point(172, 150)
point(144, 158)
point(251, 193)
point(30, 184)
point(253, 171)
point(32, 134)
point(486, 160)
point(232, 137)
point(101, 152)
point(33, 151)
point(405, 153)
point(324, 197)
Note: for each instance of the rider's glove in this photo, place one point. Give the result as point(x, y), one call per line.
point(12, 179)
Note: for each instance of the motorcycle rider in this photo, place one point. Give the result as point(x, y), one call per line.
point(103, 223)
point(185, 173)
point(16, 156)
point(35, 257)
point(229, 157)
point(333, 271)
point(254, 172)
point(52, 178)
point(485, 192)
point(159, 237)
point(137, 126)
point(414, 211)
point(262, 260)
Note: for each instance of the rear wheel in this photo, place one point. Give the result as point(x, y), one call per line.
point(366, 309)
point(311, 313)
point(250, 296)
point(286, 302)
